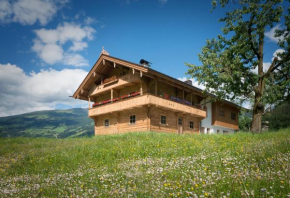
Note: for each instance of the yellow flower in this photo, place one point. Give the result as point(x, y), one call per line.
point(206, 194)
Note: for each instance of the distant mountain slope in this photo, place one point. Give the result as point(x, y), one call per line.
point(49, 124)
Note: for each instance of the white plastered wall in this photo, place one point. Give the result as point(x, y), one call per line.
point(208, 127)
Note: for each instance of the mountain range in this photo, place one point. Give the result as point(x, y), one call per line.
point(48, 124)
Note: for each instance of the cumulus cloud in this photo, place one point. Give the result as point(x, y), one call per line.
point(49, 44)
point(194, 82)
point(21, 92)
point(271, 34)
point(277, 52)
point(28, 12)
point(75, 60)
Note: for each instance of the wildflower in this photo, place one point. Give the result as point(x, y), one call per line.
point(206, 194)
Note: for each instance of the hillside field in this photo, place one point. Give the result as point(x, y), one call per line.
point(147, 165)
point(48, 124)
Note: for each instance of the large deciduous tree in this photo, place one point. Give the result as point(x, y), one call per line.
point(229, 62)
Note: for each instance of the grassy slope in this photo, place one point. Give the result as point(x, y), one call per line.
point(49, 124)
point(147, 164)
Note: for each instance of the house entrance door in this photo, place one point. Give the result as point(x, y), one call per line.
point(179, 125)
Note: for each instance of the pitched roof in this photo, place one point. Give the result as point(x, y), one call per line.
point(106, 60)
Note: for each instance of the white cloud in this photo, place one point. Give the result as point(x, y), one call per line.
point(27, 12)
point(267, 65)
point(78, 46)
point(194, 82)
point(271, 34)
point(49, 43)
point(21, 93)
point(90, 20)
point(278, 51)
point(75, 60)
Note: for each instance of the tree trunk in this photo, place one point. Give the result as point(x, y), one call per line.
point(258, 109)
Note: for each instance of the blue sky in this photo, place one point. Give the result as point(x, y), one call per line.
point(47, 47)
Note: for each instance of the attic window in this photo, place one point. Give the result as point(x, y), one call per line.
point(222, 113)
point(233, 116)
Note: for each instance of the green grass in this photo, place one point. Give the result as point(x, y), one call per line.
point(147, 165)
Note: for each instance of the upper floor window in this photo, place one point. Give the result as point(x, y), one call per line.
point(233, 116)
point(191, 124)
point(163, 119)
point(132, 119)
point(222, 113)
point(106, 122)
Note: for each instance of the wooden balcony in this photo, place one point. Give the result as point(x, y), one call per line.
point(118, 83)
point(146, 100)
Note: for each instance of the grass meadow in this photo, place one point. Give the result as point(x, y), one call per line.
point(147, 165)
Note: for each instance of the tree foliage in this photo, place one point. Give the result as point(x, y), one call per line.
point(229, 61)
point(279, 117)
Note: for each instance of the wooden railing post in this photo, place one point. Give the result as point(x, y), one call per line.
point(112, 95)
point(155, 86)
point(141, 88)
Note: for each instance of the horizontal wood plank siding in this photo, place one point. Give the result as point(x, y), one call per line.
point(224, 121)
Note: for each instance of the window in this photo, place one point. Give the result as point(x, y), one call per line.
point(233, 116)
point(179, 121)
point(132, 119)
point(163, 119)
point(106, 122)
point(191, 124)
point(217, 131)
point(222, 113)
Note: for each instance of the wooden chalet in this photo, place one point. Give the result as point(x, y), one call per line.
point(127, 97)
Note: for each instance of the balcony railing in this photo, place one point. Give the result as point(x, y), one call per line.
point(116, 82)
point(142, 100)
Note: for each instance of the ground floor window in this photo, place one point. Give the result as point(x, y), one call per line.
point(179, 121)
point(191, 124)
point(132, 119)
point(163, 119)
point(106, 122)
point(217, 131)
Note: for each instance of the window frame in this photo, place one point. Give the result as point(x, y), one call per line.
point(191, 127)
point(105, 122)
point(221, 113)
point(180, 121)
point(233, 116)
point(164, 116)
point(131, 120)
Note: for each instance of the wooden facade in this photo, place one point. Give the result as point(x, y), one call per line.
point(225, 115)
point(127, 97)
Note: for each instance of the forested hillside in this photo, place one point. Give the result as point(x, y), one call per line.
point(48, 124)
